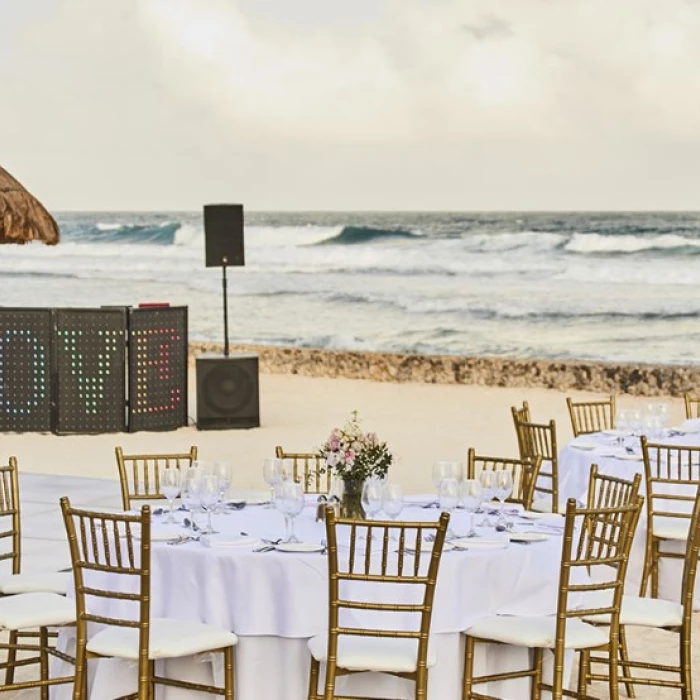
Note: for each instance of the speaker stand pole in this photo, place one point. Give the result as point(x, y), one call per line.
point(224, 285)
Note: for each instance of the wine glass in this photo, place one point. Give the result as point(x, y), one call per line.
point(272, 473)
point(663, 411)
point(223, 472)
point(191, 482)
point(170, 483)
point(504, 488)
point(371, 498)
point(392, 502)
point(448, 497)
point(442, 469)
point(487, 479)
point(622, 420)
point(288, 498)
point(471, 499)
point(209, 499)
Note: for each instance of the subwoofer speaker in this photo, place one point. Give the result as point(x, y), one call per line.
point(228, 394)
point(223, 235)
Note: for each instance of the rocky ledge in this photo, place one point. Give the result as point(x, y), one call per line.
point(599, 377)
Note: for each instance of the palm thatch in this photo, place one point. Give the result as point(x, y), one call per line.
point(22, 217)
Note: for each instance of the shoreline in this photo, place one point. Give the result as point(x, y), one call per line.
point(596, 377)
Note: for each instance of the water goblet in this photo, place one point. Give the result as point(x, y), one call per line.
point(622, 420)
point(209, 499)
point(392, 502)
point(442, 469)
point(191, 483)
point(288, 498)
point(223, 472)
point(272, 473)
point(449, 498)
point(487, 479)
point(170, 484)
point(471, 499)
point(663, 411)
point(504, 488)
point(371, 498)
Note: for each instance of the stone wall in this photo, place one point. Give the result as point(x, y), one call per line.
point(640, 380)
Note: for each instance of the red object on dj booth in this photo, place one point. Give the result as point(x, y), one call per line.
point(154, 305)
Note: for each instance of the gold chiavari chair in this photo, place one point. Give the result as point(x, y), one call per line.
point(666, 615)
point(348, 648)
point(591, 416)
point(540, 440)
point(139, 475)
point(672, 477)
point(105, 545)
point(606, 491)
point(692, 406)
point(16, 581)
point(524, 474)
point(31, 604)
point(520, 415)
point(609, 550)
point(308, 469)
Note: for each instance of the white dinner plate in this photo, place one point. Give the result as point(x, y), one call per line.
point(299, 547)
point(256, 501)
point(629, 457)
point(583, 446)
point(479, 543)
point(527, 536)
point(613, 433)
point(224, 541)
point(686, 431)
point(536, 515)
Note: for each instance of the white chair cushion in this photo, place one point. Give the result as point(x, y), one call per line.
point(169, 639)
point(381, 654)
point(639, 612)
point(48, 582)
point(31, 610)
point(537, 632)
point(671, 529)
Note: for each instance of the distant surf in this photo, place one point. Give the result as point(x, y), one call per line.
point(356, 235)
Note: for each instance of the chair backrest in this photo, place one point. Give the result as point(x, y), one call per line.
point(692, 406)
point(524, 472)
point(672, 477)
point(415, 563)
point(540, 440)
point(591, 416)
point(118, 545)
point(606, 491)
point(690, 567)
point(308, 469)
point(600, 552)
point(139, 475)
point(10, 516)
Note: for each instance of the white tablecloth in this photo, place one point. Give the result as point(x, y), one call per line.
point(624, 461)
point(275, 601)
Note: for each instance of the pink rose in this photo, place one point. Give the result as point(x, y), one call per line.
point(350, 458)
point(334, 444)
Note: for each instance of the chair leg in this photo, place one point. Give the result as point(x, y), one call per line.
point(655, 563)
point(11, 658)
point(44, 661)
point(330, 680)
point(469, 644)
point(613, 669)
point(421, 684)
point(624, 659)
point(686, 668)
point(228, 673)
point(313, 678)
point(151, 680)
point(584, 669)
point(537, 662)
point(144, 691)
point(80, 682)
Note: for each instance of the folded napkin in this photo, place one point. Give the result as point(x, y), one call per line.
point(162, 533)
point(223, 540)
point(691, 425)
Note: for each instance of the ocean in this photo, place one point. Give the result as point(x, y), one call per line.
point(584, 286)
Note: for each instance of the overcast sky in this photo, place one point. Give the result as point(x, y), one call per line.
point(353, 104)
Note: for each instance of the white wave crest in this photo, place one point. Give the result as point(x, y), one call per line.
point(108, 227)
point(597, 243)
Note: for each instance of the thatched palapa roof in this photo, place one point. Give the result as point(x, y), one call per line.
point(22, 217)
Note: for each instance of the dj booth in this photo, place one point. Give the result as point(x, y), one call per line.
point(97, 370)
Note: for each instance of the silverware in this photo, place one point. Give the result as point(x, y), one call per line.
point(266, 548)
point(190, 523)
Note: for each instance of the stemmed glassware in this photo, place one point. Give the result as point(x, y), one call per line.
point(288, 498)
point(471, 499)
point(445, 469)
point(273, 472)
point(209, 499)
point(191, 485)
point(223, 472)
point(487, 479)
point(392, 502)
point(449, 498)
point(371, 498)
point(504, 488)
point(170, 484)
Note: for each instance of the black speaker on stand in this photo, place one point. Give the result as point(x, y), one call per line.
point(228, 394)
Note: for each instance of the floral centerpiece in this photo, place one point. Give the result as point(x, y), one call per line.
point(355, 456)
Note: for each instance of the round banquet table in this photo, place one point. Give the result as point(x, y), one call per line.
point(274, 601)
point(624, 460)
